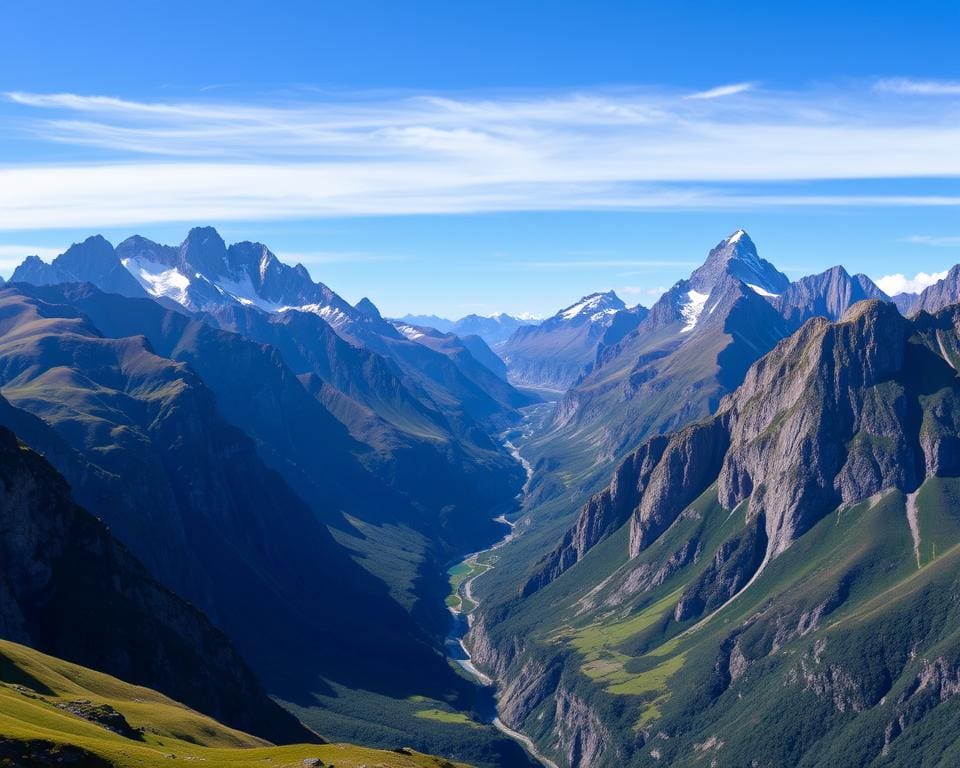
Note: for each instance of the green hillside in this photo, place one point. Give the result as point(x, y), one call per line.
point(40, 696)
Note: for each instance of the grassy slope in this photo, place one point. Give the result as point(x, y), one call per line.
point(880, 618)
point(32, 684)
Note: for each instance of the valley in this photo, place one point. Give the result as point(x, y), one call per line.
point(731, 488)
point(480, 385)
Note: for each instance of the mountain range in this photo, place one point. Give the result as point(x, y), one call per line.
point(493, 329)
point(734, 545)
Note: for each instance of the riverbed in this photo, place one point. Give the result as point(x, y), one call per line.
point(476, 565)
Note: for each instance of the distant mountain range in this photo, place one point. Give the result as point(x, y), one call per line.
point(733, 493)
point(493, 329)
point(552, 355)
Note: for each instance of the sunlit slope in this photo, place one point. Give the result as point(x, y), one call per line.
point(38, 691)
point(843, 651)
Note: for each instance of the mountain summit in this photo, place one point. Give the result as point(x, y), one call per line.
point(737, 256)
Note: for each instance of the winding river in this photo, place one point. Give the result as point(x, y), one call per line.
point(477, 564)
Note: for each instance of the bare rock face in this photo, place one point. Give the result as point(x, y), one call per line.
point(689, 464)
point(832, 415)
point(819, 421)
point(829, 294)
point(603, 514)
point(940, 295)
point(581, 735)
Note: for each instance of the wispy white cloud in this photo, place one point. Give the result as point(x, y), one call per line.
point(722, 90)
point(630, 149)
point(905, 85)
point(894, 284)
point(937, 240)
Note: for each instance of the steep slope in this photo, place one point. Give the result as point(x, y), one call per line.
point(345, 628)
point(938, 296)
point(773, 583)
point(828, 294)
point(93, 260)
point(190, 496)
point(69, 588)
point(552, 355)
point(204, 274)
point(480, 349)
point(480, 371)
point(259, 393)
point(693, 346)
point(55, 712)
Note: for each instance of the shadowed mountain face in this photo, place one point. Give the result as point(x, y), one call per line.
point(188, 492)
point(70, 589)
point(338, 463)
point(779, 577)
point(206, 275)
point(92, 261)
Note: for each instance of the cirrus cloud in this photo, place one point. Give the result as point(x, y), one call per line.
point(126, 162)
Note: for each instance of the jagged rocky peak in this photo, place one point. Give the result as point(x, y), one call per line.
point(140, 248)
point(809, 428)
point(941, 294)
point(204, 251)
point(92, 261)
point(737, 256)
point(828, 294)
point(593, 307)
point(95, 247)
point(832, 415)
point(367, 307)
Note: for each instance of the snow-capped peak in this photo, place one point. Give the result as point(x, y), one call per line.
point(735, 237)
point(596, 306)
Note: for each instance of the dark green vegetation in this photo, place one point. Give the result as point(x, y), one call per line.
point(782, 589)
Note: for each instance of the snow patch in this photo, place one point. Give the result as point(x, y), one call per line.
point(158, 279)
point(243, 292)
point(692, 309)
point(736, 236)
point(762, 291)
point(410, 332)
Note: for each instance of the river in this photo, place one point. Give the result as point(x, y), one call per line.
point(476, 565)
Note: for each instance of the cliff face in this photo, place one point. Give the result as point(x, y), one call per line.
point(68, 588)
point(724, 577)
point(820, 420)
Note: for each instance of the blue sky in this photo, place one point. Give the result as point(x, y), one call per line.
point(453, 157)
